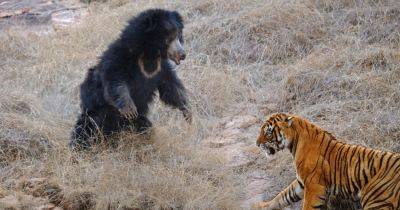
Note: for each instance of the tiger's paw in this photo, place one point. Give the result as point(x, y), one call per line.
point(262, 205)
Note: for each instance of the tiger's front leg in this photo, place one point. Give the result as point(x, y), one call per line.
point(291, 194)
point(314, 197)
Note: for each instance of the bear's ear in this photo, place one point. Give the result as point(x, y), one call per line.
point(149, 24)
point(178, 18)
point(150, 63)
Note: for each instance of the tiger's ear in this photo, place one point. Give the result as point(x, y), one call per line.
point(289, 120)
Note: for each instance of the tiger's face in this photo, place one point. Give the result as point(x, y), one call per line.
point(276, 134)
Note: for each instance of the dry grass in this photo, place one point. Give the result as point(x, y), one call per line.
point(334, 62)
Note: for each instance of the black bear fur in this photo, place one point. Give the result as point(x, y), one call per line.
point(116, 93)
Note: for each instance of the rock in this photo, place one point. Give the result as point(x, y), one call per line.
point(7, 14)
point(40, 17)
point(67, 17)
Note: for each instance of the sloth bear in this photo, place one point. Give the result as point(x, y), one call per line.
point(117, 91)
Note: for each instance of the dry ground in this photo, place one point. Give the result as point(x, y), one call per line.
point(336, 63)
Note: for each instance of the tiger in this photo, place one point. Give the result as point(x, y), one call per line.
point(327, 167)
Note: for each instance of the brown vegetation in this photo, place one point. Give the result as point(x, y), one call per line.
point(336, 63)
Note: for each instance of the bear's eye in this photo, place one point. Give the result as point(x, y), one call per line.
point(170, 39)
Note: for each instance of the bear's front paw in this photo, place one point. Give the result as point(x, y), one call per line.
point(129, 111)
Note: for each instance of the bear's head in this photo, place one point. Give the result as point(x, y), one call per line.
point(158, 35)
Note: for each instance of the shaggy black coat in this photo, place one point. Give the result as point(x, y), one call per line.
point(117, 92)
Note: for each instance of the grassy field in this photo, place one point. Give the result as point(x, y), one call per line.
point(336, 63)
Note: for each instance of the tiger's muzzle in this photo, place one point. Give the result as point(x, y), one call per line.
point(268, 148)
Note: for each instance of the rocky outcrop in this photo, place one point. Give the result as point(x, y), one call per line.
point(40, 16)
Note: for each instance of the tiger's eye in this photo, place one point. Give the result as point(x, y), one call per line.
point(268, 132)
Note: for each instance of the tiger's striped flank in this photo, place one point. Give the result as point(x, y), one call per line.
point(326, 166)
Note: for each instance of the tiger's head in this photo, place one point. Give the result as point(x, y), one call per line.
point(277, 133)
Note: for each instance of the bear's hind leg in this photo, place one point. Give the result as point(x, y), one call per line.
point(86, 131)
point(142, 124)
